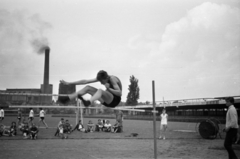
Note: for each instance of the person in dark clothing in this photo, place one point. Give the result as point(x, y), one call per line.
point(79, 127)
point(231, 127)
point(99, 126)
point(13, 129)
point(116, 128)
point(33, 132)
point(90, 126)
point(68, 126)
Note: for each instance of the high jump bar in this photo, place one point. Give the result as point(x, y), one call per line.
point(75, 107)
point(32, 94)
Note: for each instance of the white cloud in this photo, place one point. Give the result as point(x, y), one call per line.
point(205, 46)
point(203, 25)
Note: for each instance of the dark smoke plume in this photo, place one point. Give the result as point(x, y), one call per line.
point(40, 45)
point(39, 42)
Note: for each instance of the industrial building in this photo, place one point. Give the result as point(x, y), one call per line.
point(45, 88)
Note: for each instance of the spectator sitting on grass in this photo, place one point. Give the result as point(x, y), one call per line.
point(4, 131)
point(25, 130)
point(33, 131)
point(1, 129)
point(60, 123)
point(13, 129)
point(116, 127)
point(90, 126)
point(107, 126)
point(79, 127)
point(99, 125)
point(63, 131)
point(68, 127)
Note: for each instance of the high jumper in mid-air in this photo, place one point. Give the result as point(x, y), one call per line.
point(110, 97)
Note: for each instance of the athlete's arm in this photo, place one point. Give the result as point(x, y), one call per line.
point(116, 91)
point(80, 82)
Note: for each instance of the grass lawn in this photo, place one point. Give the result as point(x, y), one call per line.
point(181, 142)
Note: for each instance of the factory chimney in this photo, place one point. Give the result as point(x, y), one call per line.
point(46, 87)
point(46, 67)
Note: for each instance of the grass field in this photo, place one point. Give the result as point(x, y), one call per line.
point(102, 145)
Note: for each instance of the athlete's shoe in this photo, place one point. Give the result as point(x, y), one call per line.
point(85, 102)
point(63, 99)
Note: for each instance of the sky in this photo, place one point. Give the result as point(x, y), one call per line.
point(189, 48)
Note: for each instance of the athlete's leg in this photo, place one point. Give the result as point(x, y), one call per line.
point(19, 121)
point(39, 122)
point(45, 123)
point(164, 131)
point(105, 96)
point(97, 94)
point(86, 90)
point(29, 120)
point(161, 127)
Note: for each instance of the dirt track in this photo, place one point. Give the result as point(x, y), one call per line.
point(112, 149)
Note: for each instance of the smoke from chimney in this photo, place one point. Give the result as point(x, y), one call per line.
point(40, 45)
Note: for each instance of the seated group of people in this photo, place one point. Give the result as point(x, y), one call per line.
point(26, 130)
point(29, 131)
point(63, 128)
point(102, 125)
point(11, 131)
point(106, 126)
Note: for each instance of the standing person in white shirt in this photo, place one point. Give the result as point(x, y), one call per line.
point(42, 116)
point(1, 115)
point(31, 116)
point(231, 127)
point(163, 126)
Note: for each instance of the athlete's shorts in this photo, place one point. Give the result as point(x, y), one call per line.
point(1, 118)
point(42, 118)
point(31, 118)
point(19, 118)
point(116, 100)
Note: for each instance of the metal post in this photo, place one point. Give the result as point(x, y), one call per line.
point(81, 112)
point(77, 112)
point(154, 121)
